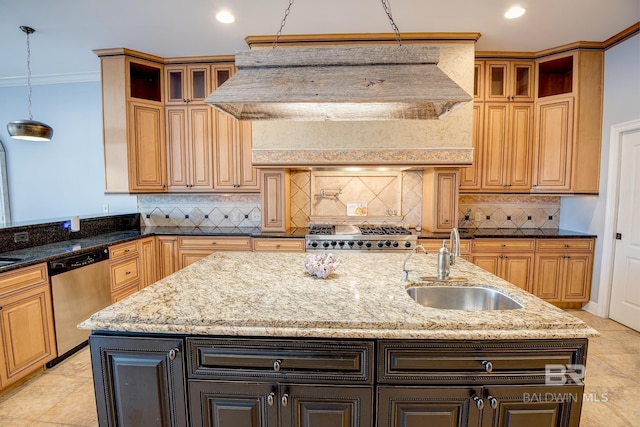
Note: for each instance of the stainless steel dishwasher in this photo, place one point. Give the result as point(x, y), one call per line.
point(80, 286)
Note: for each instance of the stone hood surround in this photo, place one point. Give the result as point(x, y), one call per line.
point(270, 294)
point(443, 142)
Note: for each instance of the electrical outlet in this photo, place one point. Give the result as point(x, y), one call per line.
point(478, 216)
point(105, 208)
point(21, 237)
point(236, 217)
point(255, 216)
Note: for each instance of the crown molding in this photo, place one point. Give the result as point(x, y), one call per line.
point(51, 79)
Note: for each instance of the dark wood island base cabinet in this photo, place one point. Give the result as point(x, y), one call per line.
point(171, 380)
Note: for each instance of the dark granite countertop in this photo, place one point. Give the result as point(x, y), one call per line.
point(223, 231)
point(529, 233)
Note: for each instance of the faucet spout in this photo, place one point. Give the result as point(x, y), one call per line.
point(454, 237)
point(405, 272)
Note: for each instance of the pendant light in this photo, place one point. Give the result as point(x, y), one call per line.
point(29, 130)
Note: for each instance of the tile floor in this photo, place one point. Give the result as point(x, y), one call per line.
point(63, 395)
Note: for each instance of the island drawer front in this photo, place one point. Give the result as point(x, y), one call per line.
point(492, 245)
point(310, 360)
point(219, 243)
point(422, 362)
point(555, 245)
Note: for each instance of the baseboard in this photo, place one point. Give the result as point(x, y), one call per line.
point(593, 308)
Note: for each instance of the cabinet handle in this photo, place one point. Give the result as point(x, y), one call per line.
point(213, 243)
point(278, 246)
point(127, 250)
point(285, 399)
point(478, 401)
point(276, 365)
point(173, 353)
point(271, 398)
point(504, 245)
point(567, 246)
point(127, 272)
point(488, 366)
point(446, 221)
point(493, 402)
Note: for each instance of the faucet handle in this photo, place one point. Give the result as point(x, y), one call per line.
point(405, 275)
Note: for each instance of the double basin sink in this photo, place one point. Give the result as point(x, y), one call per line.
point(456, 297)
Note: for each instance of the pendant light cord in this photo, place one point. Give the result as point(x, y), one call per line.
point(385, 5)
point(28, 31)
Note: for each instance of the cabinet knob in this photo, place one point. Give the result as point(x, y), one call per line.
point(493, 402)
point(271, 398)
point(285, 399)
point(127, 272)
point(504, 245)
point(276, 365)
point(478, 401)
point(213, 243)
point(488, 366)
point(173, 353)
point(567, 246)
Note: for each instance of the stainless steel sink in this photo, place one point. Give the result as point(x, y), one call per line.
point(472, 298)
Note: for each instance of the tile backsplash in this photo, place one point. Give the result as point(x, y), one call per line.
point(322, 197)
point(508, 211)
point(200, 210)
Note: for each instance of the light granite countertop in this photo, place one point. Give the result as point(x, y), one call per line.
point(272, 295)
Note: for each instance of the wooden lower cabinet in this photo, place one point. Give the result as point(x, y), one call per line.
point(307, 382)
point(167, 255)
point(194, 248)
point(514, 267)
point(229, 404)
point(27, 337)
point(139, 381)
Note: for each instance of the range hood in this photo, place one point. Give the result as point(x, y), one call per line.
point(339, 83)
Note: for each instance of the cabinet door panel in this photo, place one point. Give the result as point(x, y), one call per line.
point(220, 404)
point(139, 382)
point(548, 276)
point(541, 406)
point(577, 285)
point(248, 173)
point(518, 269)
point(488, 262)
point(554, 145)
point(224, 170)
point(423, 406)
point(470, 176)
point(147, 170)
point(494, 146)
point(177, 149)
point(322, 406)
point(447, 202)
point(200, 149)
point(26, 329)
point(167, 256)
point(520, 147)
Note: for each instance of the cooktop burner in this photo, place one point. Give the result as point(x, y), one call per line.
point(361, 238)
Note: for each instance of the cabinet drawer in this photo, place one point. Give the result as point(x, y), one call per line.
point(433, 245)
point(123, 273)
point(28, 276)
point(123, 250)
point(278, 245)
point(463, 362)
point(124, 292)
point(492, 245)
point(280, 359)
point(555, 245)
point(219, 243)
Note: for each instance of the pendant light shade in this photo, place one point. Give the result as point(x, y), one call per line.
point(29, 130)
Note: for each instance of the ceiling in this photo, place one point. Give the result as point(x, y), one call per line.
point(68, 30)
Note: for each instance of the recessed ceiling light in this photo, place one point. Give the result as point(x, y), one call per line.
point(225, 17)
point(514, 12)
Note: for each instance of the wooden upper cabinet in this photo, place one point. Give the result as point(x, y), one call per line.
point(507, 147)
point(569, 93)
point(274, 200)
point(133, 122)
point(509, 81)
point(233, 169)
point(470, 176)
point(187, 84)
point(439, 199)
point(478, 81)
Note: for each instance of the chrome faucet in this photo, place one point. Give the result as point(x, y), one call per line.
point(447, 257)
point(405, 272)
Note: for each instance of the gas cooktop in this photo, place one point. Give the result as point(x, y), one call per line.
point(355, 238)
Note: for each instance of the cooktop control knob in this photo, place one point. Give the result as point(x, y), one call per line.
point(407, 244)
point(351, 243)
point(395, 244)
point(380, 244)
point(333, 243)
point(314, 244)
point(341, 243)
point(368, 244)
point(360, 243)
point(387, 243)
point(325, 244)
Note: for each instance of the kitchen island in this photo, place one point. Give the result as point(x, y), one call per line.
point(244, 339)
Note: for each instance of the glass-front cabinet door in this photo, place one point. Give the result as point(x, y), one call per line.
point(187, 83)
point(509, 81)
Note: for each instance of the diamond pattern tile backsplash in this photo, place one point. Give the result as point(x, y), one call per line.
point(200, 211)
point(394, 197)
point(508, 211)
